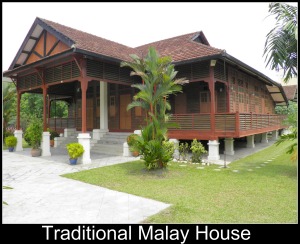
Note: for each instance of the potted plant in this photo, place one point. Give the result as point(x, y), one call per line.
point(33, 135)
point(11, 142)
point(75, 150)
point(131, 141)
point(53, 134)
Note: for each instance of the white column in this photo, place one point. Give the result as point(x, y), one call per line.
point(84, 140)
point(176, 151)
point(250, 141)
point(274, 135)
point(264, 138)
point(213, 150)
point(46, 144)
point(57, 141)
point(229, 146)
point(103, 107)
point(18, 134)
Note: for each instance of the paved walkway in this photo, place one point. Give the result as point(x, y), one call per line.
point(40, 195)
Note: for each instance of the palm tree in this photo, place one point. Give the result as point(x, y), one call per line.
point(158, 76)
point(158, 83)
point(280, 49)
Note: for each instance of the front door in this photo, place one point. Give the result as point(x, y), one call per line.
point(204, 102)
point(125, 116)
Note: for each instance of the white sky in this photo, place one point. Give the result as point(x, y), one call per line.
point(239, 28)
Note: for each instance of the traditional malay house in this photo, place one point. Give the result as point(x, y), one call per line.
point(225, 98)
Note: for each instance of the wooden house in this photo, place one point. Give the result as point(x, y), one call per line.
point(225, 97)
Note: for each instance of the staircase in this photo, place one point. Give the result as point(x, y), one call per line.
point(111, 143)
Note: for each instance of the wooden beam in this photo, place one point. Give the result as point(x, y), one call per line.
point(211, 85)
point(52, 48)
point(84, 85)
point(37, 54)
point(45, 42)
point(19, 94)
point(34, 38)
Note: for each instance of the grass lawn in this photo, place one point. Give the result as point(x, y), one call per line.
point(242, 193)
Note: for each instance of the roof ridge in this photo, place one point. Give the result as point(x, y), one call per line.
point(74, 29)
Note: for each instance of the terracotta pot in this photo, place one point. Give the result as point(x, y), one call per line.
point(51, 143)
point(135, 153)
point(36, 152)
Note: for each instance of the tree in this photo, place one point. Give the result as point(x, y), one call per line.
point(158, 82)
point(9, 100)
point(280, 49)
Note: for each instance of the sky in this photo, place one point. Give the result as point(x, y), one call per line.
point(239, 28)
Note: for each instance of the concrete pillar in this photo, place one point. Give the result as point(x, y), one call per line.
point(229, 146)
point(264, 137)
point(250, 141)
point(103, 107)
point(69, 132)
point(257, 138)
point(18, 134)
point(176, 151)
point(46, 144)
point(274, 135)
point(213, 150)
point(126, 151)
point(84, 140)
point(138, 132)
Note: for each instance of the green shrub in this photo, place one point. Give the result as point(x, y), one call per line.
point(75, 150)
point(183, 149)
point(33, 134)
point(10, 141)
point(197, 151)
point(7, 133)
point(53, 133)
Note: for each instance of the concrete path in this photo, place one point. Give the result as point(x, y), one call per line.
point(40, 195)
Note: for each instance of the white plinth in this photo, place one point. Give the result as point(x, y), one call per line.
point(46, 144)
point(57, 141)
point(137, 132)
point(274, 135)
point(18, 134)
point(84, 140)
point(213, 150)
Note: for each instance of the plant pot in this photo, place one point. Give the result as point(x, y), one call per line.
point(73, 161)
point(51, 143)
point(135, 153)
point(36, 152)
point(11, 149)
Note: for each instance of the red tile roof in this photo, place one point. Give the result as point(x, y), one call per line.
point(290, 92)
point(92, 43)
point(180, 48)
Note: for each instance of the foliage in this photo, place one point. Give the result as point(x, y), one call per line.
point(8, 103)
point(292, 149)
point(33, 133)
point(197, 151)
point(131, 139)
point(59, 109)
point(11, 141)
point(280, 49)
point(183, 149)
point(75, 150)
point(53, 133)
point(6, 188)
point(7, 133)
point(158, 82)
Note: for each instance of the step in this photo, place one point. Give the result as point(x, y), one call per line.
point(107, 149)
